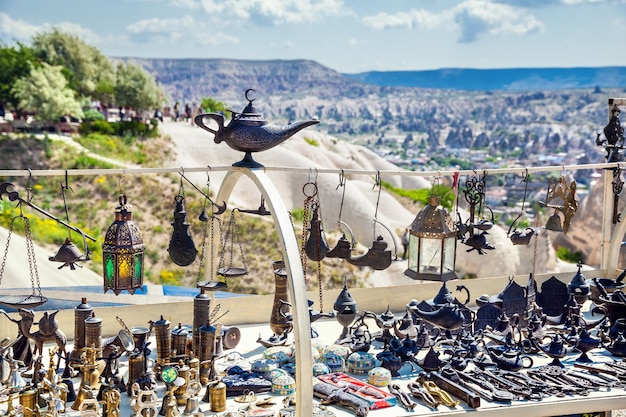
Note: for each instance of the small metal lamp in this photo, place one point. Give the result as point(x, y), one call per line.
point(432, 244)
point(122, 252)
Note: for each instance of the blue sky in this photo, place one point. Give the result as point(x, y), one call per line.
point(346, 35)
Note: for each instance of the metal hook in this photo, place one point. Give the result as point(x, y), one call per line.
point(377, 180)
point(29, 195)
point(220, 209)
point(181, 190)
point(342, 180)
point(121, 181)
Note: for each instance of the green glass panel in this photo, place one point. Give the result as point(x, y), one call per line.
point(138, 276)
point(109, 270)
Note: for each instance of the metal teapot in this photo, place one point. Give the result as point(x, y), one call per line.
point(249, 132)
point(449, 316)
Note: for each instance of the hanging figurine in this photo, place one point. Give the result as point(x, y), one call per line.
point(474, 193)
point(182, 250)
point(377, 257)
point(68, 252)
point(561, 197)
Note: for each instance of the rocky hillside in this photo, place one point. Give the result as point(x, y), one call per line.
point(399, 123)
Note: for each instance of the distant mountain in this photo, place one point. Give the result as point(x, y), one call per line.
point(514, 79)
point(188, 80)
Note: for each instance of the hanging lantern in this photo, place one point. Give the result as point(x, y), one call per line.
point(122, 252)
point(432, 244)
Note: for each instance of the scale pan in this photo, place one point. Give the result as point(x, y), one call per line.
point(212, 285)
point(232, 272)
point(22, 301)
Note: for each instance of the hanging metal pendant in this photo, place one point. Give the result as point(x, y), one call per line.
point(316, 247)
point(69, 254)
point(182, 250)
point(377, 256)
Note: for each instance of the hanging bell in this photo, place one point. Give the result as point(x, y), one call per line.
point(69, 254)
point(316, 247)
point(181, 248)
point(554, 223)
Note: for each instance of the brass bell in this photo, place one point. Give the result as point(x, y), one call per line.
point(69, 254)
point(554, 223)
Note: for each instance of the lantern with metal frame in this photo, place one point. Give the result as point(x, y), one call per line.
point(432, 244)
point(122, 252)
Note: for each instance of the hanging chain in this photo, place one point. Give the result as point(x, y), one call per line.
point(233, 233)
point(535, 244)
point(30, 251)
point(236, 236)
point(65, 187)
point(6, 249)
point(319, 285)
point(309, 201)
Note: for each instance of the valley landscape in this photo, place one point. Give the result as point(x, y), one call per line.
point(375, 128)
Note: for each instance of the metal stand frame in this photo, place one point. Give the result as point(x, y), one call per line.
point(295, 274)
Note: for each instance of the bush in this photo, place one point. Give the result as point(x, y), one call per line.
point(565, 254)
point(97, 126)
point(91, 115)
point(134, 128)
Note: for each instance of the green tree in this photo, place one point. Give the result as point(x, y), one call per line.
point(210, 105)
point(136, 88)
point(44, 91)
point(15, 63)
point(88, 71)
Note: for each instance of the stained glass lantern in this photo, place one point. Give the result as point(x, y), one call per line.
point(122, 252)
point(432, 244)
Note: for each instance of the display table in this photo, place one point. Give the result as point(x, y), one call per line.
point(249, 349)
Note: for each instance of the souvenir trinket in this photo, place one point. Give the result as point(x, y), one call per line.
point(283, 385)
point(360, 362)
point(181, 248)
point(249, 132)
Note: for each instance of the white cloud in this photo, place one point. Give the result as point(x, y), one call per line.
point(421, 19)
point(176, 30)
point(266, 12)
point(543, 3)
point(473, 18)
point(19, 30)
point(16, 29)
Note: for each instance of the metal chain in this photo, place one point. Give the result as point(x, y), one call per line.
point(6, 249)
point(233, 233)
point(30, 249)
point(202, 251)
point(306, 221)
point(535, 244)
point(236, 236)
point(319, 285)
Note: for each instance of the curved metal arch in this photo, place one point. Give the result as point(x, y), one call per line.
point(295, 274)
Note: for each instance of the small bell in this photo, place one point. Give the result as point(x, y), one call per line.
point(554, 223)
point(69, 254)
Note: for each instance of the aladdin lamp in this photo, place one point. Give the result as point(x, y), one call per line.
point(122, 252)
point(432, 244)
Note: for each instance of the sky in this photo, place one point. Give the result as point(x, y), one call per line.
point(349, 36)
